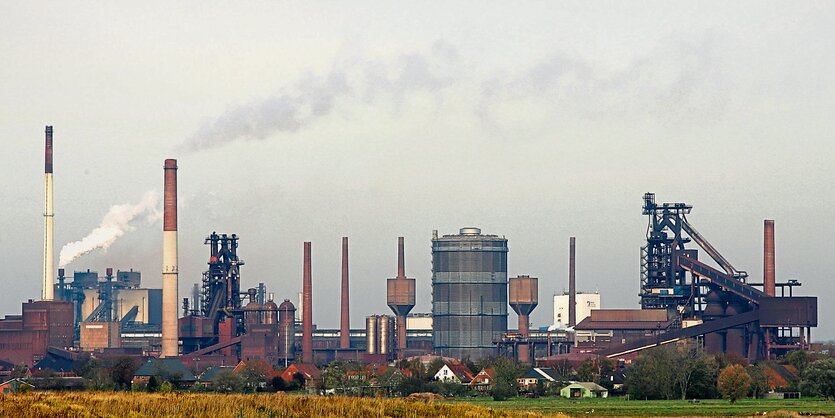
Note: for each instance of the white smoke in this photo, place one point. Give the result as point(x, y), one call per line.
point(118, 220)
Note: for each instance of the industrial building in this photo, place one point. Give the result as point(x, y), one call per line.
point(469, 293)
point(224, 321)
point(682, 297)
point(585, 303)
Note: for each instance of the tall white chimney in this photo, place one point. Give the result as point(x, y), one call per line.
point(47, 288)
point(170, 347)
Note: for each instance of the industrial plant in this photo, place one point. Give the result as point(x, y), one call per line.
point(226, 320)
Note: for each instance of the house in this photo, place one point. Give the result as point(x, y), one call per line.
point(168, 369)
point(546, 375)
point(617, 379)
point(14, 385)
point(484, 380)
point(584, 390)
point(58, 365)
point(392, 377)
point(6, 368)
point(456, 373)
point(307, 374)
point(208, 376)
point(780, 376)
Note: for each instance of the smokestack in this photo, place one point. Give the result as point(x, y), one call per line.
point(307, 314)
point(169, 262)
point(345, 322)
point(768, 258)
point(572, 290)
point(47, 289)
point(400, 297)
point(401, 258)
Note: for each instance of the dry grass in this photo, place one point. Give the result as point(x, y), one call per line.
point(126, 404)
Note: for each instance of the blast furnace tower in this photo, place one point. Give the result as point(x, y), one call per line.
point(469, 293)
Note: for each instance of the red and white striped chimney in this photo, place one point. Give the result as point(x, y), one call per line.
point(170, 346)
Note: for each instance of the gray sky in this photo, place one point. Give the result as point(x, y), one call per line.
point(313, 121)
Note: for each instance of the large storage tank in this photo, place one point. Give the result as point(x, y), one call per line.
point(469, 293)
point(286, 330)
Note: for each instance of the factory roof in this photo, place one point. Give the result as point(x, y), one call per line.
point(629, 315)
point(589, 325)
point(168, 367)
point(211, 373)
point(55, 363)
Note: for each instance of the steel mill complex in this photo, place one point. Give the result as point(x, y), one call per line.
point(688, 290)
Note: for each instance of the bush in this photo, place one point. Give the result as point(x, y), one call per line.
point(733, 382)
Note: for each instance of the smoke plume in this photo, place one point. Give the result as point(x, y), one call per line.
point(315, 96)
point(116, 222)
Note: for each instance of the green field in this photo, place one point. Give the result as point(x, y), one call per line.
point(622, 408)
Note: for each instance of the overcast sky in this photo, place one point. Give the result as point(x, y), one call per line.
point(311, 121)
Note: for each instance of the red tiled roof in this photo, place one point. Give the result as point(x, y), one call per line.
point(463, 372)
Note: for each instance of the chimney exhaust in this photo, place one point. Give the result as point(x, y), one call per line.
point(769, 286)
point(307, 313)
point(345, 321)
point(170, 346)
point(400, 297)
point(572, 289)
point(47, 288)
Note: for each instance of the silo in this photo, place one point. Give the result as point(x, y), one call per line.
point(371, 334)
point(270, 311)
point(385, 334)
point(469, 293)
point(252, 310)
point(714, 309)
point(286, 329)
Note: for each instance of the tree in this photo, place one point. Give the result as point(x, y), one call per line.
point(226, 381)
point(798, 359)
point(19, 371)
point(334, 376)
point(153, 384)
point(759, 380)
point(819, 378)
point(652, 376)
point(97, 376)
point(703, 380)
point(254, 374)
point(506, 374)
point(166, 387)
point(733, 382)
point(121, 372)
point(474, 369)
point(585, 373)
point(686, 363)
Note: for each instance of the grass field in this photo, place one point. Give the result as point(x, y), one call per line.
point(127, 404)
point(621, 407)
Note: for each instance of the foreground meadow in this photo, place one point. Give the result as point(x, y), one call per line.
point(620, 407)
point(128, 404)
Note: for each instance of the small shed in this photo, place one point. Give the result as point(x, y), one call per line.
point(584, 390)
